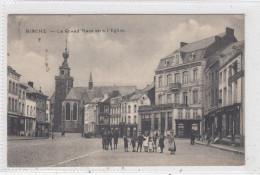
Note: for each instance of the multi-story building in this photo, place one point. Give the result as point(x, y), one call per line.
point(179, 86)
point(13, 112)
point(227, 120)
point(42, 124)
point(115, 114)
point(30, 118)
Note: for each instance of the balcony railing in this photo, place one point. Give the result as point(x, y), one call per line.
point(175, 86)
point(160, 106)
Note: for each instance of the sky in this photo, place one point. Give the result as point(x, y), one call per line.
point(117, 49)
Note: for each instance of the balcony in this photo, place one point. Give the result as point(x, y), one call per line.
point(175, 86)
point(160, 107)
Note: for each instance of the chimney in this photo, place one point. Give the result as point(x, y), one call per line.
point(182, 44)
point(230, 31)
point(217, 38)
point(30, 83)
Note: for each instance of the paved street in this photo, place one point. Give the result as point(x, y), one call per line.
point(75, 151)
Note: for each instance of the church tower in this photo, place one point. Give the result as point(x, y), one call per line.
point(90, 82)
point(63, 84)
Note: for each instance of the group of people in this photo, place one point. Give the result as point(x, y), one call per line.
point(153, 143)
point(107, 137)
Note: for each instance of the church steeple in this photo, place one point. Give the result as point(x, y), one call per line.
point(90, 82)
point(65, 69)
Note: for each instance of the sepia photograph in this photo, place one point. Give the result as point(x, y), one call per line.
point(125, 90)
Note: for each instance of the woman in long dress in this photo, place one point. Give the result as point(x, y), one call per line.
point(145, 143)
point(172, 146)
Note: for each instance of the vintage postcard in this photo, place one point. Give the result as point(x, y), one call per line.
point(125, 90)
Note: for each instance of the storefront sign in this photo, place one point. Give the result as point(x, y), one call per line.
point(235, 77)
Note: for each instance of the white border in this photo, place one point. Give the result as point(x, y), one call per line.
point(252, 81)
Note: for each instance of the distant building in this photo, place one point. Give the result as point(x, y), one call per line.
point(30, 118)
point(179, 87)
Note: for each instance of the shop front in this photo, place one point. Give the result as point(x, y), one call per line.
point(13, 124)
point(42, 129)
point(184, 127)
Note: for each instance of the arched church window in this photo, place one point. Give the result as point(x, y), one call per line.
point(67, 111)
point(75, 111)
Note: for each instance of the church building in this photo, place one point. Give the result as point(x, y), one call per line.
point(68, 101)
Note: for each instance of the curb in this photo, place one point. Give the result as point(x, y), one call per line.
point(28, 139)
point(222, 148)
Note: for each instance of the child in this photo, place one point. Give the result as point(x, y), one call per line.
point(150, 144)
point(126, 144)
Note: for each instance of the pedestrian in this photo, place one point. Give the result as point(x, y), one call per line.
point(115, 140)
point(155, 143)
point(150, 145)
point(172, 146)
point(208, 136)
point(125, 144)
point(109, 139)
point(192, 137)
point(140, 140)
point(133, 142)
point(145, 143)
point(161, 143)
point(103, 140)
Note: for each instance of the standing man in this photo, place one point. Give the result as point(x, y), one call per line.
point(140, 140)
point(133, 141)
point(192, 137)
point(109, 138)
point(116, 139)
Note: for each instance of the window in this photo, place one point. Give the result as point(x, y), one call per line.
point(10, 86)
point(220, 77)
point(169, 79)
point(128, 119)
point(216, 97)
point(185, 98)
point(229, 71)
point(134, 119)
point(28, 110)
point(31, 111)
point(195, 97)
point(212, 78)
point(225, 75)
point(135, 108)
point(47, 116)
point(177, 98)
point(160, 81)
point(220, 96)
point(185, 77)
point(13, 91)
point(166, 62)
point(212, 98)
point(169, 98)
point(67, 111)
point(23, 109)
point(12, 104)
point(75, 111)
point(156, 122)
point(180, 113)
point(160, 99)
point(129, 109)
point(195, 75)
point(20, 94)
point(187, 114)
point(169, 120)
point(195, 113)
point(224, 97)
point(235, 67)
point(19, 108)
point(177, 78)
point(23, 95)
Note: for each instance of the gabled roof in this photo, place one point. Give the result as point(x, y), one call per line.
point(148, 87)
point(136, 96)
point(83, 93)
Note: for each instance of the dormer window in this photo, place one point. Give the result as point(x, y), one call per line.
point(166, 62)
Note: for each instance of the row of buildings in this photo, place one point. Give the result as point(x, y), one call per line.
point(199, 86)
point(28, 110)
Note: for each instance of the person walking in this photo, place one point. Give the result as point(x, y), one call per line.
point(109, 139)
point(155, 143)
point(192, 137)
point(172, 146)
point(140, 140)
point(133, 142)
point(208, 136)
point(125, 144)
point(115, 139)
point(145, 143)
point(161, 143)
